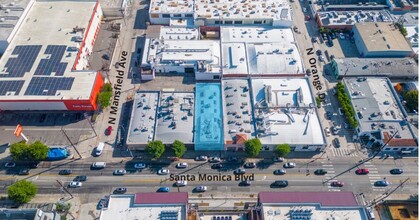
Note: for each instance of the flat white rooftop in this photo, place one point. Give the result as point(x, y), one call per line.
point(175, 117)
point(171, 6)
point(251, 50)
point(285, 112)
point(122, 207)
point(238, 110)
point(242, 9)
point(11, 12)
point(173, 33)
point(336, 18)
point(143, 117)
point(275, 212)
point(37, 64)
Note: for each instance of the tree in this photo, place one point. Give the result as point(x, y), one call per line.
point(105, 95)
point(411, 99)
point(318, 102)
point(22, 191)
point(155, 149)
point(32, 152)
point(253, 147)
point(179, 148)
point(282, 150)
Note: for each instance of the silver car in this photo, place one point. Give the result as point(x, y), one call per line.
point(119, 172)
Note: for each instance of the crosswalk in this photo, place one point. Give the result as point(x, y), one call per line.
point(328, 166)
point(336, 152)
point(374, 176)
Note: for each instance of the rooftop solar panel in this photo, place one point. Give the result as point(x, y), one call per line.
point(11, 86)
point(53, 62)
point(26, 56)
point(48, 86)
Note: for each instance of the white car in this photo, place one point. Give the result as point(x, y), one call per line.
point(304, 10)
point(119, 172)
point(74, 184)
point(182, 165)
point(289, 165)
point(181, 183)
point(342, 36)
point(139, 165)
point(327, 131)
point(163, 172)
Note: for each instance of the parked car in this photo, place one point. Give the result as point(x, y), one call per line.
point(216, 166)
point(279, 183)
point(330, 43)
point(182, 165)
point(336, 142)
point(120, 190)
point(319, 52)
point(24, 172)
point(289, 165)
point(108, 131)
point(119, 172)
point(304, 10)
point(245, 183)
point(249, 165)
point(239, 171)
point(324, 36)
point(9, 164)
point(65, 172)
point(362, 171)
point(181, 183)
point(139, 166)
point(342, 36)
point(313, 39)
point(214, 160)
point(74, 184)
point(232, 159)
point(396, 171)
point(201, 158)
point(163, 172)
point(201, 189)
point(321, 58)
point(327, 131)
point(280, 172)
point(163, 189)
point(337, 184)
point(381, 183)
point(329, 115)
point(335, 130)
point(80, 178)
point(320, 172)
point(308, 72)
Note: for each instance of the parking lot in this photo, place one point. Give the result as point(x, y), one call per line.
point(341, 48)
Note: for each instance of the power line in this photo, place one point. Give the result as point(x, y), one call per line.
point(377, 200)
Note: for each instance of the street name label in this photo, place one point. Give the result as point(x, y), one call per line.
point(316, 81)
point(117, 87)
point(212, 177)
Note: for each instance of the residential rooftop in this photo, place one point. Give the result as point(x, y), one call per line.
point(127, 207)
point(285, 112)
point(175, 117)
point(11, 11)
point(238, 117)
point(390, 67)
point(352, 17)
point(377, 108)
point(242, 9)
point(38, 61)
point(382, 37)
point(248, 50)
point(143, 117)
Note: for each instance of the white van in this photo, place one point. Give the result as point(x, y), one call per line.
point(99, 165)
point(99, 148)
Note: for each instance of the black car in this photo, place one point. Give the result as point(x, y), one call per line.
point(24, 172)
point(65, 172)
point(33, 165)
point(217, 166)
point(245, 183)
point(232, 159)
point(280, 172)
point(320, 172)
point(330, 43)
point(319, 52)
point(80, 178)
point(313, 39)
point(249, 165)
point(120, 190)
point(329, 115)
point(336, 142)
point(280, 183)
point(308, 72)
point(396, 171)
point(239, 171)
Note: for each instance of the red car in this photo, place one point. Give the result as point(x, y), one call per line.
point(362, 171)
point(108, 131)
point(337, 184)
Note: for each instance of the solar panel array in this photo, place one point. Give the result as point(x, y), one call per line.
point(169, 215)
point(11, 86)
point(26, 56)
point(53, 63)
point(48, 86)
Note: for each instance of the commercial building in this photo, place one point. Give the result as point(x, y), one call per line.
point(199, 57)
point(44, 65)
point(393, 68)
point(380, 115)
point(400, 209)
point(345, 20)
point(165, 116)
point(249, 51)
point(210, 12)
point(146, 206)
point(285, 112)
point(310, 205)
point(380, 40)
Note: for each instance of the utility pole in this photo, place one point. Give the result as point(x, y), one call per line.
point(65, 134)
point(65, 190)
point(387, 194)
